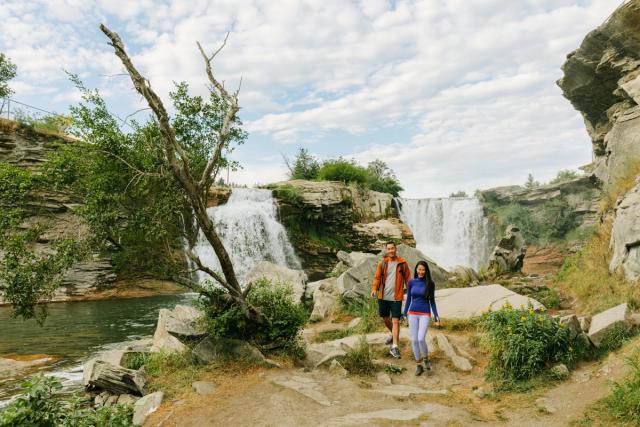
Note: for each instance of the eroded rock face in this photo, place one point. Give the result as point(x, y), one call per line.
point(625, 234)
point(324, 217)
point(602, 81)
point(27, 149)
point(508, 255)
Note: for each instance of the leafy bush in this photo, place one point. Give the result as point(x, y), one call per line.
point(563, 176)
point(359, 360)
point(7, 72)
point(459, 193)
point(522, 343)
point(343, 170)
point(285, 318)
point(38, 406)
point(289, 193)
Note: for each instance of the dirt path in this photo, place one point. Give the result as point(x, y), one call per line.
point(444, 397)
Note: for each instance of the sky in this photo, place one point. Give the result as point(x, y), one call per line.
point(451, 94)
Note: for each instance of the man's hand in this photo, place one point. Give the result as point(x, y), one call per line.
point(373, 293)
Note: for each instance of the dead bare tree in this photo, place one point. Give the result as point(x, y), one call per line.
point(195, 189)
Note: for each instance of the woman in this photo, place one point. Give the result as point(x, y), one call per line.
point(421, 306)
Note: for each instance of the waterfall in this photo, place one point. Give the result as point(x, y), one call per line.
point(248, 227)
point(450, 231)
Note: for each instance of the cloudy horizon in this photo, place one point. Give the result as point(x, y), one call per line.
point(453, 95)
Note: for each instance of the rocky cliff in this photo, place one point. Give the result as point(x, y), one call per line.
point(21, 146)
point(602, 81)
point(325, 217)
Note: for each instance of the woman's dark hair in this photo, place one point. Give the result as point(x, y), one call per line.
point(430, 285)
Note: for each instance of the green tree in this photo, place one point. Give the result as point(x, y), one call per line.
point(460, 193)
point(531, 182)
point(564, 175)
point(382, 178)
point(305, 165)
point(7, 72)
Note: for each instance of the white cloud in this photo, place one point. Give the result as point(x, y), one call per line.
point(475, 79)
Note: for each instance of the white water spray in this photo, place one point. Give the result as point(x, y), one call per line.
point(450, 231)
point(248, 227)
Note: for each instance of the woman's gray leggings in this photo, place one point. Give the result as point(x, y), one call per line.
point(418, 326)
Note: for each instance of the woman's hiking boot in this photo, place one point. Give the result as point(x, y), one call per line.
point(419, 370)
point(427, 364)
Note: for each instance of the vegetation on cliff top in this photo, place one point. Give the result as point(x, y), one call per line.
point(7, 72)
point(377, 176)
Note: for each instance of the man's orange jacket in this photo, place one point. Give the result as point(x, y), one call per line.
point(403, 274)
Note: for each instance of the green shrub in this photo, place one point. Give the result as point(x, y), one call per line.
point(38, 406)
point(521, 343)
point(359, 360)
point(343, 170)
point(285, 318)
point(305, 165)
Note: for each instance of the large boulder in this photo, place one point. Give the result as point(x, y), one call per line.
point(373, 235)
point(357, 281)
point(113, 357)
point(625, 234)
point(508, 255)
point(279, 274)
point(607, 321)
point(466, 303)
point(116, 379)
point(146, 406)
point(324, 298)
point(349, 259)
point(214, 349)
point(175, 327)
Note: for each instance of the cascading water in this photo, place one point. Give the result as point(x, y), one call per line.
point(450, 231)
point(248, 227)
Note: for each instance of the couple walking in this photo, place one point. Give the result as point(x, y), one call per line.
point(391, 278)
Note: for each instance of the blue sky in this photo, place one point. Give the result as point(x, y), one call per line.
point(452, 94)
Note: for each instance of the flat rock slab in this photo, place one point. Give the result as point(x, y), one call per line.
point(306, 387)
point(467, 303)
point(458, 361)
point(204, 388)
point(401, 390)
point(384, 414)
point(603, 323)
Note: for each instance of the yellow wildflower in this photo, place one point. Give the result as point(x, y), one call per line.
point(571, 349)
point(523, 318)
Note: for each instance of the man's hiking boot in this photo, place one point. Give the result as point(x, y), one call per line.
point(389, 340)
point(419, 370)
point(395, 352)
point(427, 364)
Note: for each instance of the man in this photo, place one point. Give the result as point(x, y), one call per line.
point(392, 275)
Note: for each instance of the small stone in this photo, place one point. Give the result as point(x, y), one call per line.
point(572, 323)
point(384, 378)
point(337, 369)
point(127, 399)
point(585, 322)
point(100, 399)
point(146, 406)
point(543, 405)
point(560, 371)
point(355, 322)
point(111, 400)
point(635, 319)
point(204, 388)
point(480, 392)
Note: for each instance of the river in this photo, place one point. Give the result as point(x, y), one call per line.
point(74, 331)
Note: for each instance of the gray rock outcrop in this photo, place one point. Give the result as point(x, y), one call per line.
point(116, 379)
point(279, 274)
point(176, 326)
point(602, 81)
point(625, 234)
point(213, 349)
point(508, 255)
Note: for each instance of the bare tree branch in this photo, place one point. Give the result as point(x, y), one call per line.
point(179, 163)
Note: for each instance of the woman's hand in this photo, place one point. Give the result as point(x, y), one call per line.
point(437, 323)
